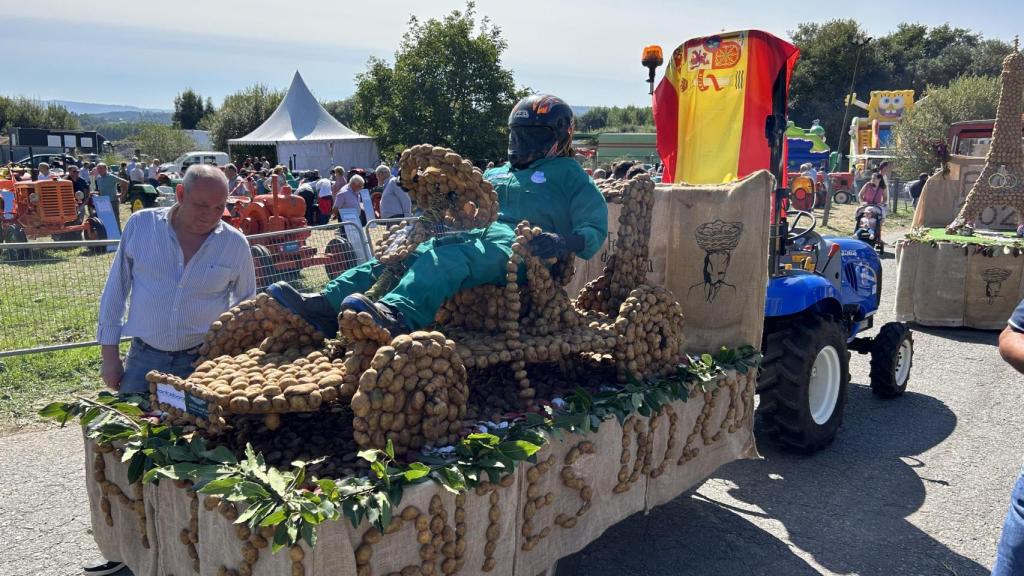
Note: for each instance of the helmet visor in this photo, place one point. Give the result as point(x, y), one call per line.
point(529, 143)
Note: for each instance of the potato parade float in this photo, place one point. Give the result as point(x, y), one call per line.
point(283, 432)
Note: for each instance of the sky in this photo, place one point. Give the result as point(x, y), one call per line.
point(587, 52)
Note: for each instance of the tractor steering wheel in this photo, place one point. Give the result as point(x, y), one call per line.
point(799, 215)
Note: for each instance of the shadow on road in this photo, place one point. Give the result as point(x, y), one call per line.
point(967, 335)
point(846, 507)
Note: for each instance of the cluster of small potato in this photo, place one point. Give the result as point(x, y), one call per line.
point(550, 310)
point(260, 323)
point(673, 426)
point(701, 428)
point(399, 241)
point(483, 308)
point(190, 536)
point(252, 542)
point(432, 172)
point(494, 518)
point(649, 326)
point(644, 448)
point(110, 490)
point(438, 540)
point(534, 502)
point(575, 482)
point(260, 383)
point(414, 392)
point(628, 265)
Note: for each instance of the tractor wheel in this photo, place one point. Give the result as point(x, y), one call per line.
point(340, 256)
point(804, 376)
point(137, 204)
point(264, 264)
point(15, 234)
point(96, 231)
point(892, 355)
point(841, 197)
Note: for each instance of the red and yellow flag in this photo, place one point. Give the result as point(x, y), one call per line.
point(710, 108)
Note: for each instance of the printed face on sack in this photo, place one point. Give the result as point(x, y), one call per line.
point(202, 199)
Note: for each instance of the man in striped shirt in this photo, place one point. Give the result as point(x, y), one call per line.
point(181, 268)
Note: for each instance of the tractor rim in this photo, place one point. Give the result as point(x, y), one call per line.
point(823, 387)
point(903, 357)
point(136, 205)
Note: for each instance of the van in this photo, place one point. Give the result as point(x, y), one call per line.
point(181, 164)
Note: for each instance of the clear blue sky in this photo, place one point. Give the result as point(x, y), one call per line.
point(588, 51)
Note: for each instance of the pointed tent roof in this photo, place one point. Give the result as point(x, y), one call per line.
point(299, 118)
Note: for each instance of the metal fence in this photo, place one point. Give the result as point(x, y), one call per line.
point(50, 291)
point(375, 229)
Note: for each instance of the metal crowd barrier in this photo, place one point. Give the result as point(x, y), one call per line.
point(50, 291)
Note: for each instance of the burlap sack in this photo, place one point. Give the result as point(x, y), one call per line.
point(698, 449)
point(220, 545)
point(944, 195)
point(596, 460)
point(483, 556)
point(400, 549)
point(939, 284)
point(174, 509)
point(993, 289)
point(908, 255)
point(123, 540)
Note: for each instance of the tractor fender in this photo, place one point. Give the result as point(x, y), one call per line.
point(795, 293)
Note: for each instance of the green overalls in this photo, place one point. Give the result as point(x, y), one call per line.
point(554, 194)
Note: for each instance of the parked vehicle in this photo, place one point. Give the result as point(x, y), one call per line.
point(181, 163)
point(48, 208)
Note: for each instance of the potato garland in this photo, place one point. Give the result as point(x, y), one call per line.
point(260, 323)
point(110, 490)
point(534, 502)
point(644, 447)
point(673, 426)
point(252, 542)
point(414, 392)
point(493, 532)
point(439, 542)
point(573, 481)
point(190, 536)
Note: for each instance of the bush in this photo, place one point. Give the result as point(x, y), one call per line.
point(921, 132)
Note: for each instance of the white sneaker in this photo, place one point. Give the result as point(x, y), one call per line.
point(104, 568)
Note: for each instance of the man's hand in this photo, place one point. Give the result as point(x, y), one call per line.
point(112, 369)
point(549, 245)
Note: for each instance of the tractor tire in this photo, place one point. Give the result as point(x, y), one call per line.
point(803, 381)
point(137, 204)
point(892, 356)
point(340, 255)
point(266, 274)
point(96, 231)
point(15, 234)
point(841, 197)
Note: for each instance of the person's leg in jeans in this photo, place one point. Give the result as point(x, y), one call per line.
point(1010, 552)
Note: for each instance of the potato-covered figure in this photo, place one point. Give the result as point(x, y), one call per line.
point(541, 183)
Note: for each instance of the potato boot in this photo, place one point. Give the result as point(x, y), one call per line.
point(383, 315)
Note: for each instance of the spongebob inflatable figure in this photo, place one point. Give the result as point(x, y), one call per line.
point(886, 105)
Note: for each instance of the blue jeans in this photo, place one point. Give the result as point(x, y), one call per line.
point(141, 359)
point(1010, 553)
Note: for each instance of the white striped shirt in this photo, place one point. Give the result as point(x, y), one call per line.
point(172, 304)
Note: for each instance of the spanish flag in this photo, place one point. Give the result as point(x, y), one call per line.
point(710, 108)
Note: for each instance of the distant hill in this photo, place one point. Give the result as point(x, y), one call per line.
point(123, 116)
point(93, 108)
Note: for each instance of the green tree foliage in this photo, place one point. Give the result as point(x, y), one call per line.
point(913, 56)
point(342, 110)
point(922, 129)
point(446, 87)
point(616, 119)
point(243, 112)
point(189, 109)
point(21, 112)
point(164, 142)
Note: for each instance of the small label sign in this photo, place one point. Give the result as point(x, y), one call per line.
point(197, 406)
point(170, 395)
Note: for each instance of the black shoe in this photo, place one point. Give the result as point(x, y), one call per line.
point(312, 308)
point(383, 315)
point(105, 569)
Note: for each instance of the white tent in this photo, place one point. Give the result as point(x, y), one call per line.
point(307, 137)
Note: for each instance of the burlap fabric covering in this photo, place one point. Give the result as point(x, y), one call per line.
point(950, 285)
point(121, 539)
point(709, 246)
point(579, 487)
point(944, 195)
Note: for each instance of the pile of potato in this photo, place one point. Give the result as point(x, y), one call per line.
point(432, 173)
point(414, 392)
point(260, 323)
point(628, 265)
point(649, 328)
point(110, 490)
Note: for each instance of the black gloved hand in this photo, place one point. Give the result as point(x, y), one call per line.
point(550, 245)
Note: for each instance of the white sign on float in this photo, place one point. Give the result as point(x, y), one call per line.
point(171, 396)
point(105, 212)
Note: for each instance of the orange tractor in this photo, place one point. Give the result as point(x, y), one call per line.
point(283, 256)
point(32, 210)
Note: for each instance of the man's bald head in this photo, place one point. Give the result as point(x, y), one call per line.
point(198, 172)
point(202, 199)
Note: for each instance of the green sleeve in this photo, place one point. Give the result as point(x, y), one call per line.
point(589, 214)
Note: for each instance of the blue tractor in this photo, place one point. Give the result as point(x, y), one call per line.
point(823, 293)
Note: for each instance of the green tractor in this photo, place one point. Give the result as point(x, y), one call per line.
point(140, 196)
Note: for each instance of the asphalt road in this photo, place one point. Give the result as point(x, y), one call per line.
point(913, 486)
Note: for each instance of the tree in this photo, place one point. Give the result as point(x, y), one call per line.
point(21, 112)
point(189, 109)
point(616, 119)
point(243, 112)
point(342, 110)
point(162, 142)
point(447, 87)
point(921, 130)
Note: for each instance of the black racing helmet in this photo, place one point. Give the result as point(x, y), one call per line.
point(540, 126)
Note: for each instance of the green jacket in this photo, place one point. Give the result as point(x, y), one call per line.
point(556, 195)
